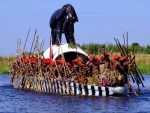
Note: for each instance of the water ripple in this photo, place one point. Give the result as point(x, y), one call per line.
point(18, 101)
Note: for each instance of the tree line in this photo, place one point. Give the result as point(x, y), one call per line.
point(96, 48)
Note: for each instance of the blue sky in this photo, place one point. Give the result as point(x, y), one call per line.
point(99, 20)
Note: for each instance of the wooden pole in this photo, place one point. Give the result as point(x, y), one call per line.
point(26, 40)
point(33, 41)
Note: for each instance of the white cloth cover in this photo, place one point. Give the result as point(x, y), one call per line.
point(61, 49)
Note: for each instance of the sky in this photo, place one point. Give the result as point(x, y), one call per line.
point(99, 21)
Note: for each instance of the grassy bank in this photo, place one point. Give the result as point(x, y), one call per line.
point(4, 65)
point(143, 62)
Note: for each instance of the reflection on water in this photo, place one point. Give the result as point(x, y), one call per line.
point(18, 101)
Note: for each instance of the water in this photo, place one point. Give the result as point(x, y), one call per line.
point(18, 101)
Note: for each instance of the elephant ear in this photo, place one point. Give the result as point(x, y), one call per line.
point(74, 14)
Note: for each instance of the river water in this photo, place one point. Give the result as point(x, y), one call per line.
point(18, 101)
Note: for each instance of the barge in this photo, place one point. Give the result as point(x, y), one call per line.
point(70, 77)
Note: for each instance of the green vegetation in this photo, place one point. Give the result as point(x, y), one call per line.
point(4, 65)
point(145, 68)
point(143, 62)
point(134, 47)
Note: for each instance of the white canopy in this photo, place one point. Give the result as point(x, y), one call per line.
point(61, 49)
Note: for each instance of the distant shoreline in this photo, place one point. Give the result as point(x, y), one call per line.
point(4, 64)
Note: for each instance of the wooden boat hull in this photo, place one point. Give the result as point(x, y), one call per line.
point(53, 86)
